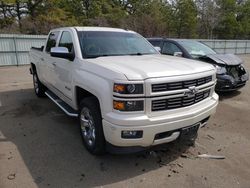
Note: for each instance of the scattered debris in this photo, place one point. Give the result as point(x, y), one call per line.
point(209, 136)
point(174, 171)
point(11, 176)
point(184, 155)
point(169, 175)
point(180, 165)
point(162, 164)
point(187, 155)
point(207, 156)
point(219, 149)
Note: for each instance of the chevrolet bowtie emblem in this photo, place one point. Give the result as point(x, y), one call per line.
point(192, 91)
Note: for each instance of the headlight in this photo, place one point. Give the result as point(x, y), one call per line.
point(220, 69)
point(128, 105)
point(242, 68)
point(128, 88)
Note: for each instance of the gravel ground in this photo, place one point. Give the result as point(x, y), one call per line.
point(41, 147)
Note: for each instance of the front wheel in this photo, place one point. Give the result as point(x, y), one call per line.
point(91, 126)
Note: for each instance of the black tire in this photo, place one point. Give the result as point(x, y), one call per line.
point(90, 121)
point(39, 88)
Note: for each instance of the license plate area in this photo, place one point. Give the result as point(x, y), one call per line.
point(190, 132)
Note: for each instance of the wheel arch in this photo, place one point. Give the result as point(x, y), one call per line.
point(81, 94)
point(32, 68)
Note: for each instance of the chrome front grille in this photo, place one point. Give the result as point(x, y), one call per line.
point(179, 102)
point(180, 85)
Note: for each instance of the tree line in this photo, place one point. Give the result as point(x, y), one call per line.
point(211, 19)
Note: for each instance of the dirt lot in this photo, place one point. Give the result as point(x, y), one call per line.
point(41, 147)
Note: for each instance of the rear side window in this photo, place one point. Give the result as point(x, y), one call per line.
point(170, 48)
point(52, 40)
point(155, 43)
point(66, 41)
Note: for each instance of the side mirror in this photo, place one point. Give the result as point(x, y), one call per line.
point(62, 52)
point(157, 48)
point(178, 54)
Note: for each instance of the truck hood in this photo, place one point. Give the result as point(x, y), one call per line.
point(225, 59)
point(151, 66)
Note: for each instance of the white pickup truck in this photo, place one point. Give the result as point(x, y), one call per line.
point(125, 94)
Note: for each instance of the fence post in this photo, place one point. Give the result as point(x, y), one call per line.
point(246, 47)
point(236, 47)
point(15, 48)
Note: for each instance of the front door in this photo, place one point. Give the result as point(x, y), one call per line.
point(50, 62)
point(64, 67)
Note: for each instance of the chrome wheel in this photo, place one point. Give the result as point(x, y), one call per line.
point(36, 86)
point(87, 126)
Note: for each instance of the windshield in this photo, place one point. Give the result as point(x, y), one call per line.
point(101, 43)
point(196, 49)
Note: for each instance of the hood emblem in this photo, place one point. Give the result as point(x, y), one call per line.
point(192, 90)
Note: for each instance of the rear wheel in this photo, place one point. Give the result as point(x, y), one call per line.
point(38, 86)
point(91, 126)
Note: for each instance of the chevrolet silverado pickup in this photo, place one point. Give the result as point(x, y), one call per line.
point(123, 91)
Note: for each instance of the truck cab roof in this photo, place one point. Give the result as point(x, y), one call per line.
point(107, 29)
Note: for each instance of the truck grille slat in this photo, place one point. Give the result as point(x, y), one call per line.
point(180, 85)
point(178, 102)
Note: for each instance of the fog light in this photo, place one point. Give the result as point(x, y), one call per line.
point(128, 105)
point(131, 134)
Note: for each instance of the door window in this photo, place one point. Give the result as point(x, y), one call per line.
point(66, 41)
point(51, 41)
point(155, 43)
point(170, 48)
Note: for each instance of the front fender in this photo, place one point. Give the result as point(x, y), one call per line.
point(97, 86)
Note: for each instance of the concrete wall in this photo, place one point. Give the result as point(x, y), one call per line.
point(14, 48)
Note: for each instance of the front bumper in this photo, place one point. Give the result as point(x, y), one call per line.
point(151, 126)
point(229, 83)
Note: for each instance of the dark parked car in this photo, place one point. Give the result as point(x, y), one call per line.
point(231, 74)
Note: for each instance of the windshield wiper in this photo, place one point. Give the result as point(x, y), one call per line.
point(105, 55)
point(138, 53)
point(102, 55)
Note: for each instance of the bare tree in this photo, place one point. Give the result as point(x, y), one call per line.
point(208, 16)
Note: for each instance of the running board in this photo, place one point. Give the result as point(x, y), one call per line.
point(65, 107)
